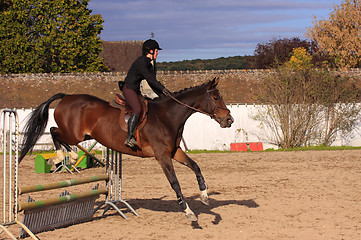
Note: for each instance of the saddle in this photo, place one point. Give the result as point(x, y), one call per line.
point(125, 112)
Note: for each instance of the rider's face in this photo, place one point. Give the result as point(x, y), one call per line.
point(155, 55)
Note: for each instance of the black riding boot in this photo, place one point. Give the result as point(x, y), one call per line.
point(132, 123)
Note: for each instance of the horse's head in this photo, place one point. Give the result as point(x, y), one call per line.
point(216, 106)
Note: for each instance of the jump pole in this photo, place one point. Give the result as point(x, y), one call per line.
point(48, 214)
point(84, 155)
point(45, 211)
point(62, 184)
point(90, 155)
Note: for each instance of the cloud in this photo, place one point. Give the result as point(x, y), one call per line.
point(205, 24)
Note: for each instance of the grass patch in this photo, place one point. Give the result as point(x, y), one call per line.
point(314, 148)
point(310, 148)
point(208, 151)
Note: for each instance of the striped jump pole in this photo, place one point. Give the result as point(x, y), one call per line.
point(65, 210)
point(62, 199)
point(69, 208)
point(62, 184)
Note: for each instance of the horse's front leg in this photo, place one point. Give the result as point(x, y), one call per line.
point(168, 169)
point(182, 158)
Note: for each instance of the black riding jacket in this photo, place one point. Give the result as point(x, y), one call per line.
point(141, 69)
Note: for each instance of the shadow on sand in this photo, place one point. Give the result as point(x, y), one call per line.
point(160, 205)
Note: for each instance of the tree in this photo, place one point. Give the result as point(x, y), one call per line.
point(340, 109)
point(236, 62)
point(300, 59)
point(277, 51)
point(307, 106)
point(50, 36)
point(4, 4)
point(339, 36)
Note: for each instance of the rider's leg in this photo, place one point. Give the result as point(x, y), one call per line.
point(132, 100)
point(132, 123)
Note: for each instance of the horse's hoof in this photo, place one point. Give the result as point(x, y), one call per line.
point(73, 155)
point(204, 200)
point(54, 161)
point(192, 217)
point(204, 197)
point(190, 214)
point(72, 161)
point(50, 161)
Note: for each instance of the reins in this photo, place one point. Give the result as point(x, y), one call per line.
point(186, 105)
point(198, 110)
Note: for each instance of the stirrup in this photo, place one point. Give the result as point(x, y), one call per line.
point(132, 142)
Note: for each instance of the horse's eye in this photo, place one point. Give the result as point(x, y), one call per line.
point(215, 98)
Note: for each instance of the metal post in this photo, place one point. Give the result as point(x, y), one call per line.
point(116, 177)
point(113, 169)
point(10, 176)
point(120, 177)
point(10, 164)
point(10, 182)
point(4, 168)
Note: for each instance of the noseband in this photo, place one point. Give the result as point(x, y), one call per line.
point(214, 115)
point(211, 100)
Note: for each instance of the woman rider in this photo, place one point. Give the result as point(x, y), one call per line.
point(141, 69)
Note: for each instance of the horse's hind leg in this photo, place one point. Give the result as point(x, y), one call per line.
point(182, 158)
point(55, 134)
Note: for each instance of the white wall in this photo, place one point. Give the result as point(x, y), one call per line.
point(202, 132)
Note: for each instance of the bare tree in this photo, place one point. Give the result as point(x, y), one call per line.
point(289, 111)
point(306, 107)
point(338, 96)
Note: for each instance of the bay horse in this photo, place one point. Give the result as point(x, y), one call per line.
point(81, 117)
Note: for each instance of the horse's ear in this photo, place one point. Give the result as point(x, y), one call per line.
point(213, 83)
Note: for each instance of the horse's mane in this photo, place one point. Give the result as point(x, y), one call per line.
point(176, 94)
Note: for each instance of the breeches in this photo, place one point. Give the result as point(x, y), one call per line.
point(132, 100)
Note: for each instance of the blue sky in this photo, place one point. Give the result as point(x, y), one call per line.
point(207, 29)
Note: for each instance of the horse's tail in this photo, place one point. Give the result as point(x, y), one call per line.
point(36, 125)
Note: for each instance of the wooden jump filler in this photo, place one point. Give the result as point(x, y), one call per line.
point(61, 211)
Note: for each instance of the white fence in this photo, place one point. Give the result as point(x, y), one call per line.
point(201, 132)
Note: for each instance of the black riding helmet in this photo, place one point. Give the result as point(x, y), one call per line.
point(148, 45)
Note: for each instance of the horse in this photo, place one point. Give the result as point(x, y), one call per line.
point(81, 117)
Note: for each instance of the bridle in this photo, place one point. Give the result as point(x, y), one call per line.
point(213, 115)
